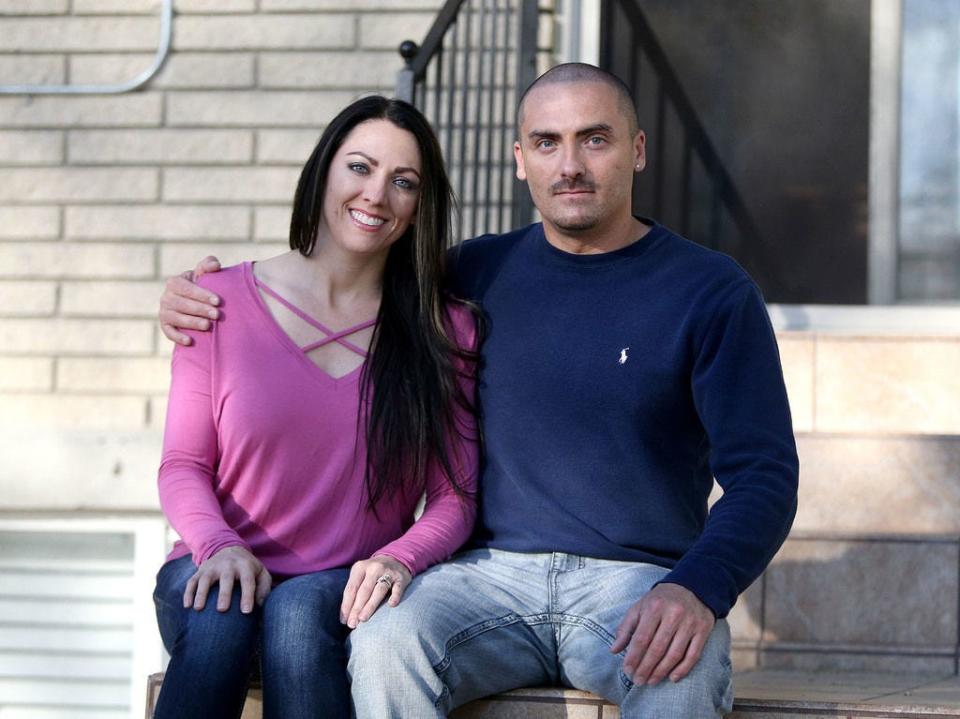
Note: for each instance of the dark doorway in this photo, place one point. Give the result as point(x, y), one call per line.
point(781, 90)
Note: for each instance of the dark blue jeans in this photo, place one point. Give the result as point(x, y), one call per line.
point(296, 634)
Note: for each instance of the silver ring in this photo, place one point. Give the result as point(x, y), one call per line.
point(386, 579)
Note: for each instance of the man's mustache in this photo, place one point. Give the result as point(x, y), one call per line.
point(579, 186)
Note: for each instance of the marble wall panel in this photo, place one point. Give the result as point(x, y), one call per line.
point(907, 385)
point(745, 658)
point(744, 618)
point(863, 593)
point(879, 485)
point(797, 353)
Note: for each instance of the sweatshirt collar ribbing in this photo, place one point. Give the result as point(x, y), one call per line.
point(602, 259)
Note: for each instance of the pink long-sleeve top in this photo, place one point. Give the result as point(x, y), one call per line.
point(262, 450)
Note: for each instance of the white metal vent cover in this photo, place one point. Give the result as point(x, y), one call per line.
point(77, 629)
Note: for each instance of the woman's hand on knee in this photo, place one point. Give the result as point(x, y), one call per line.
point(371, 581)
point(229, 565)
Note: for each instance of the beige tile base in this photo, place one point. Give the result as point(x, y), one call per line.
point(540, 703)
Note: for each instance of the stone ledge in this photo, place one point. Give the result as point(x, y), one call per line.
point(540, 702)
point(770, 694)
point(761, 694)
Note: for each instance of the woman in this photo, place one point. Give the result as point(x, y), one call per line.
point(293, 451)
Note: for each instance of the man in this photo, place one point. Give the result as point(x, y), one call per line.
point(624, 368)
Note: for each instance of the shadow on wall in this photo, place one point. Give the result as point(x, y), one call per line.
point(862, 605)
point(870, 577)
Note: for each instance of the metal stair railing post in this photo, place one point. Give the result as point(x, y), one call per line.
point(406, 82)
point(470, 46)
point(526, 73)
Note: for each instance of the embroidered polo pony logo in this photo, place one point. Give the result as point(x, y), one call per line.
point(623, 355)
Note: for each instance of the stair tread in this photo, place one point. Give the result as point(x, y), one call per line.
point(907, 694)
point(925, 694)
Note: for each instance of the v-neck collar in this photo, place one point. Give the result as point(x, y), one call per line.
point(312, 367)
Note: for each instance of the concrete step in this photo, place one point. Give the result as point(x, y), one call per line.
point(760, 694)
point(770, 694)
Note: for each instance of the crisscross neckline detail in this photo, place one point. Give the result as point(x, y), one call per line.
point(331, 336)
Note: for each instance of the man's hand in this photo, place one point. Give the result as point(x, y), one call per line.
point(184, 305)
point(666, 632)
point(365, 592)
point(227, 566)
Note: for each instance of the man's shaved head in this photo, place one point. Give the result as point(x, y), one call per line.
point(573, 72)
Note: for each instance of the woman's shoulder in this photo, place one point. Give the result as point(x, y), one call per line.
point(234, 286)
point(229, 285)
point(227, 281)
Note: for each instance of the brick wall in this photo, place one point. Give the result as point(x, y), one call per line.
point(103, 196)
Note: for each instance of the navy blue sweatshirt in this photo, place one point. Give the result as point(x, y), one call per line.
point(614, 388)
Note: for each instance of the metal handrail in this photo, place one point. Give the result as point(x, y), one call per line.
point(724, 194)
point(673, 88)
point(417, 57)
point(432, 42)
point(163, 49)
point(463, 47)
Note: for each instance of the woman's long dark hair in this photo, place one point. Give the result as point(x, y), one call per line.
point(410, 388)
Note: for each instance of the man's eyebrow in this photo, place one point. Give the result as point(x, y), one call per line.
point(375, 163)
point(546, 134)
point(589, 130)
point(594, 129)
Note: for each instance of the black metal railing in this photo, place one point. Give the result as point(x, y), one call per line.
point(686, 184)
point(477, 57)
point(465, 77)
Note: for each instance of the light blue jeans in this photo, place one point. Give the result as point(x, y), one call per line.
point(490, 621)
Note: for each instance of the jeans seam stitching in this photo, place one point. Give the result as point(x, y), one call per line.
point(600, 632)
point(472, 632)
point(483, 627)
